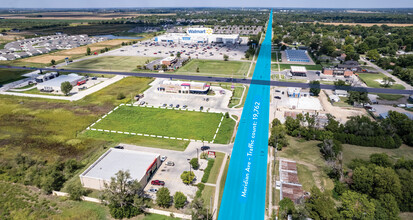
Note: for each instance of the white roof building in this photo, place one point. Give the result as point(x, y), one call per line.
point(141, 166)
point(55, 84)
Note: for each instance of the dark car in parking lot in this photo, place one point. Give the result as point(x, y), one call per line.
point(204, 148)
point(277, 97)
point(119, 147)
point(158, 183)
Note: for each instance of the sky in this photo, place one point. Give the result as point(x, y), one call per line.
point(206, 3)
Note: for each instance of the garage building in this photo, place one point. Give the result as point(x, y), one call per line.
point(141, 166)
point(54, 84)
point(298, 71)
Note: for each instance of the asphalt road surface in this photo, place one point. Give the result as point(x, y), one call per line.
point(220, 79)
point(244, 192)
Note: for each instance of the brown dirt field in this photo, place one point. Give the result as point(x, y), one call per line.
point(44, 58)
point(112, 42)
point(368, 24)
point(80, 50)
point(78, 15)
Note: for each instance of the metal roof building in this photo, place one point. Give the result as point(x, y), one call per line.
point(141, 166)
point(55, 83)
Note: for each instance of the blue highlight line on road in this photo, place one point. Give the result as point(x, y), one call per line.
point(245, 186)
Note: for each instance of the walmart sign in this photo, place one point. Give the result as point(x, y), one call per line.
point(199, 31)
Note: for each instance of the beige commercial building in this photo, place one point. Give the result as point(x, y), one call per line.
point(141, 166)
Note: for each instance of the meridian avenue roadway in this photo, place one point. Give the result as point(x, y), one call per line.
point(245, 186)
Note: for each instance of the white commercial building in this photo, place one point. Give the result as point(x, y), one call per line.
point(198, 35)
point(54, 84)
point(141, 166)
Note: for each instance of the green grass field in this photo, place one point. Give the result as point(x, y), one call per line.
point(10, 75)
point(351, 152)
point(208, 196)
point(370, 80)
point(390, 97)
point(215, 169)
point(216, 68)
point(222, 183)
point(166, 122)
point(288, 66)
point(109, 63)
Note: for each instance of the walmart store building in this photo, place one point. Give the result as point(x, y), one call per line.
point(198, 35)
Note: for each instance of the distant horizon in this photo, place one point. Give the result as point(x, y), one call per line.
point(305, 4)
point(182, 7)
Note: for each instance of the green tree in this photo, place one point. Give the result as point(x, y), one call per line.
point(390, 208)
point(199, 212)
point(194, 163)
point(315, 87)
point(340, 83)
point(164, 67)
point(356, 206)
point(373, 54)
point(286, 208)
point(388, 81)
point(382, 160)
point(363, 179)
point(66, 87)
point(226, 57)
point(123, 195)
point(53, 62)
point(163, 197)
point(197, 69)
point(120, 96)
point(88, 51)
point(178, 54)
point(406, 180)
point(386, 181)
point(75, 191)
point(187, 177)
point(179, 200)
point(320, 205)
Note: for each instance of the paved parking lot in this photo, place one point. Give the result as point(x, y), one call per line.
point(217, 102)
point(172, 174)
point(201, 51)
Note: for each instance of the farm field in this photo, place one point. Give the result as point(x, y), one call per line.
point(78, 15)
point(234, 69)
point(372, 80)
point(166, 122)
point(108, 63)
point(288, 66)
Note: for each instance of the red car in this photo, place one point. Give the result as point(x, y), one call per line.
point(158, 183)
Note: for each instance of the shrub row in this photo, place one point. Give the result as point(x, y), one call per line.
point(207, 171)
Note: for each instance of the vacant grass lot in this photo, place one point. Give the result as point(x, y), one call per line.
point(10, 75)
point(109, 63)
point(164, 122)
point(216, 68)
point(129, 86)
point(351, 152)
point(310, 163)
point(215, 169)
point(208, 196)
point(288, 66)
point(370, 80)
point(390, 97)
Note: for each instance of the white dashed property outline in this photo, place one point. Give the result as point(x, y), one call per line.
point(151, 135)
